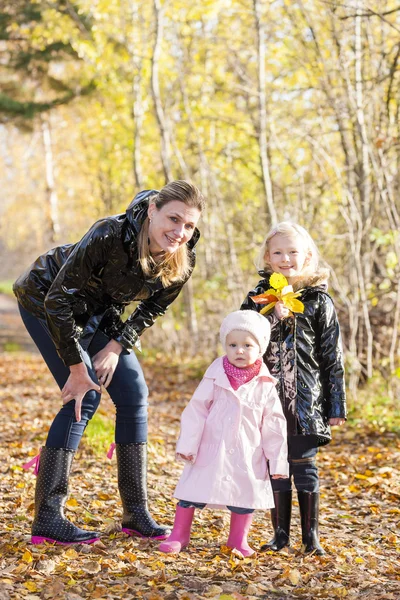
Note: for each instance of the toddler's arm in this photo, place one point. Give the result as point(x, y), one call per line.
point(193, 420)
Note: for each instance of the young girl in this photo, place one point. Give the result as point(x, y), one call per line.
point(231, 426)
point(305, 356)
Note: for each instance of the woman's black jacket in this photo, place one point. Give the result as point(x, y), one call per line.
point(79, 287)
point(305, 355)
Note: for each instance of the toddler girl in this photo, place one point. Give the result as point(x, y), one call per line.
point(305, 355)
point(232, 425)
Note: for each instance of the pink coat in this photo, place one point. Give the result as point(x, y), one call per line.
point(231, 437)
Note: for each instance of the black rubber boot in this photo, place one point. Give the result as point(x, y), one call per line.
point(280, 519)
point(50, 524)
point(132, 484)
point(309, 513)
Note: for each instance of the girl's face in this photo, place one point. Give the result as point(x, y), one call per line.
point(171, 226)
point(242, 348)
point(287, 255)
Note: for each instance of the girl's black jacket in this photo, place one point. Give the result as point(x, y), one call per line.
point(305, 355)
point(80, 287)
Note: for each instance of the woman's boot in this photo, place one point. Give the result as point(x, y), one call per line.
point(132, 484)
point(50, 524)
point(180, 535)
point(280, 519)
point(238, 532)
point(309, 513)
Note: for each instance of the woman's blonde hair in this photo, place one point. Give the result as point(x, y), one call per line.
point(175, 266)
point(286, 228)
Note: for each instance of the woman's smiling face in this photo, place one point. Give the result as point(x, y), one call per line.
point(171, 226)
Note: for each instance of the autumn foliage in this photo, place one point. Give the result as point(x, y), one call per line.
point(359, 511)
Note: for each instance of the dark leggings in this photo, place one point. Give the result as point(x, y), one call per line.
point(302, 451)
point(128, 390)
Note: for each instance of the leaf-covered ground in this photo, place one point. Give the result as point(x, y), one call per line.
point(359, 514)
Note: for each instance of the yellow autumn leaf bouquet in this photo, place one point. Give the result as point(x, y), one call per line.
point(280, 291)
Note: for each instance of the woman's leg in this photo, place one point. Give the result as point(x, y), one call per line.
point(56, 457)
point(64, 432)
point(128, 391)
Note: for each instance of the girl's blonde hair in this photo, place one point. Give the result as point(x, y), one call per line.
point(286, 228)
point(175, 266)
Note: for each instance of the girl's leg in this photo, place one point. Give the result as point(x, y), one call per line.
point(306, 479)
point(56, 457)
point(241, 519)
point(128, 390)
point(281, 515)
point(180, 535)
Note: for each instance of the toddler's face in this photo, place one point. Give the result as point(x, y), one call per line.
point(242, 348)
point(287, 255)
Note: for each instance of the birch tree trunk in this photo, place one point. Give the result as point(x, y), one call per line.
point(262, 132)
point(155, 90)
point(51, 205)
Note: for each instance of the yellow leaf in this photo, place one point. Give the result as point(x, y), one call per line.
point(71, 553)
point(27, 557)
point(359, 560)
point(72, 502)
point(267, 308)
point(278, 281)
point(31, 586)
point(294, 576)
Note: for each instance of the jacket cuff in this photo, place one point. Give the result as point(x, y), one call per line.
point(71, 355)
point(338, 410)
point(280, 466)
point(128, 338)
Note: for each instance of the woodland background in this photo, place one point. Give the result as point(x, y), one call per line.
point(276, 109)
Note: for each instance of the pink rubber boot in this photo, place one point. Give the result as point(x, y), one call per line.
point(180, 534)
point(239, 529)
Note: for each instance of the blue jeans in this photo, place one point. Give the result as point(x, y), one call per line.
point(128, 390)
point(200, 505)
point(302, 451)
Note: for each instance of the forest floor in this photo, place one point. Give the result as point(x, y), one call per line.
point(359, 524)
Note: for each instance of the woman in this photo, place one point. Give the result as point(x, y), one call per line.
point(70, 301)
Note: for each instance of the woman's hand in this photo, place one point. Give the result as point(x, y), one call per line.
point(78, 384)
point(105, 362)
point(281, 312)
point(336, 421)
point(279, 477)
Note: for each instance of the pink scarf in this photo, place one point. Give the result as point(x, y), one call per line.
point(238, 376)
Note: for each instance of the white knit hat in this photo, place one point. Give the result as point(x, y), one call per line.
point(247, 320)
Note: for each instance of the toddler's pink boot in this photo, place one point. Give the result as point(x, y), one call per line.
point(180, 534)
point(239, 529)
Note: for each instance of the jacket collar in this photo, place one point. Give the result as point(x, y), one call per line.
point(313, 280)
point(136, 213)
point(216, 371)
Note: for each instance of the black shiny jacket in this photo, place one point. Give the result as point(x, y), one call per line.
point(80, 287)
point(305, 355)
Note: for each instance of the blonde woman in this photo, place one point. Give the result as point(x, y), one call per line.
point(71, 300)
